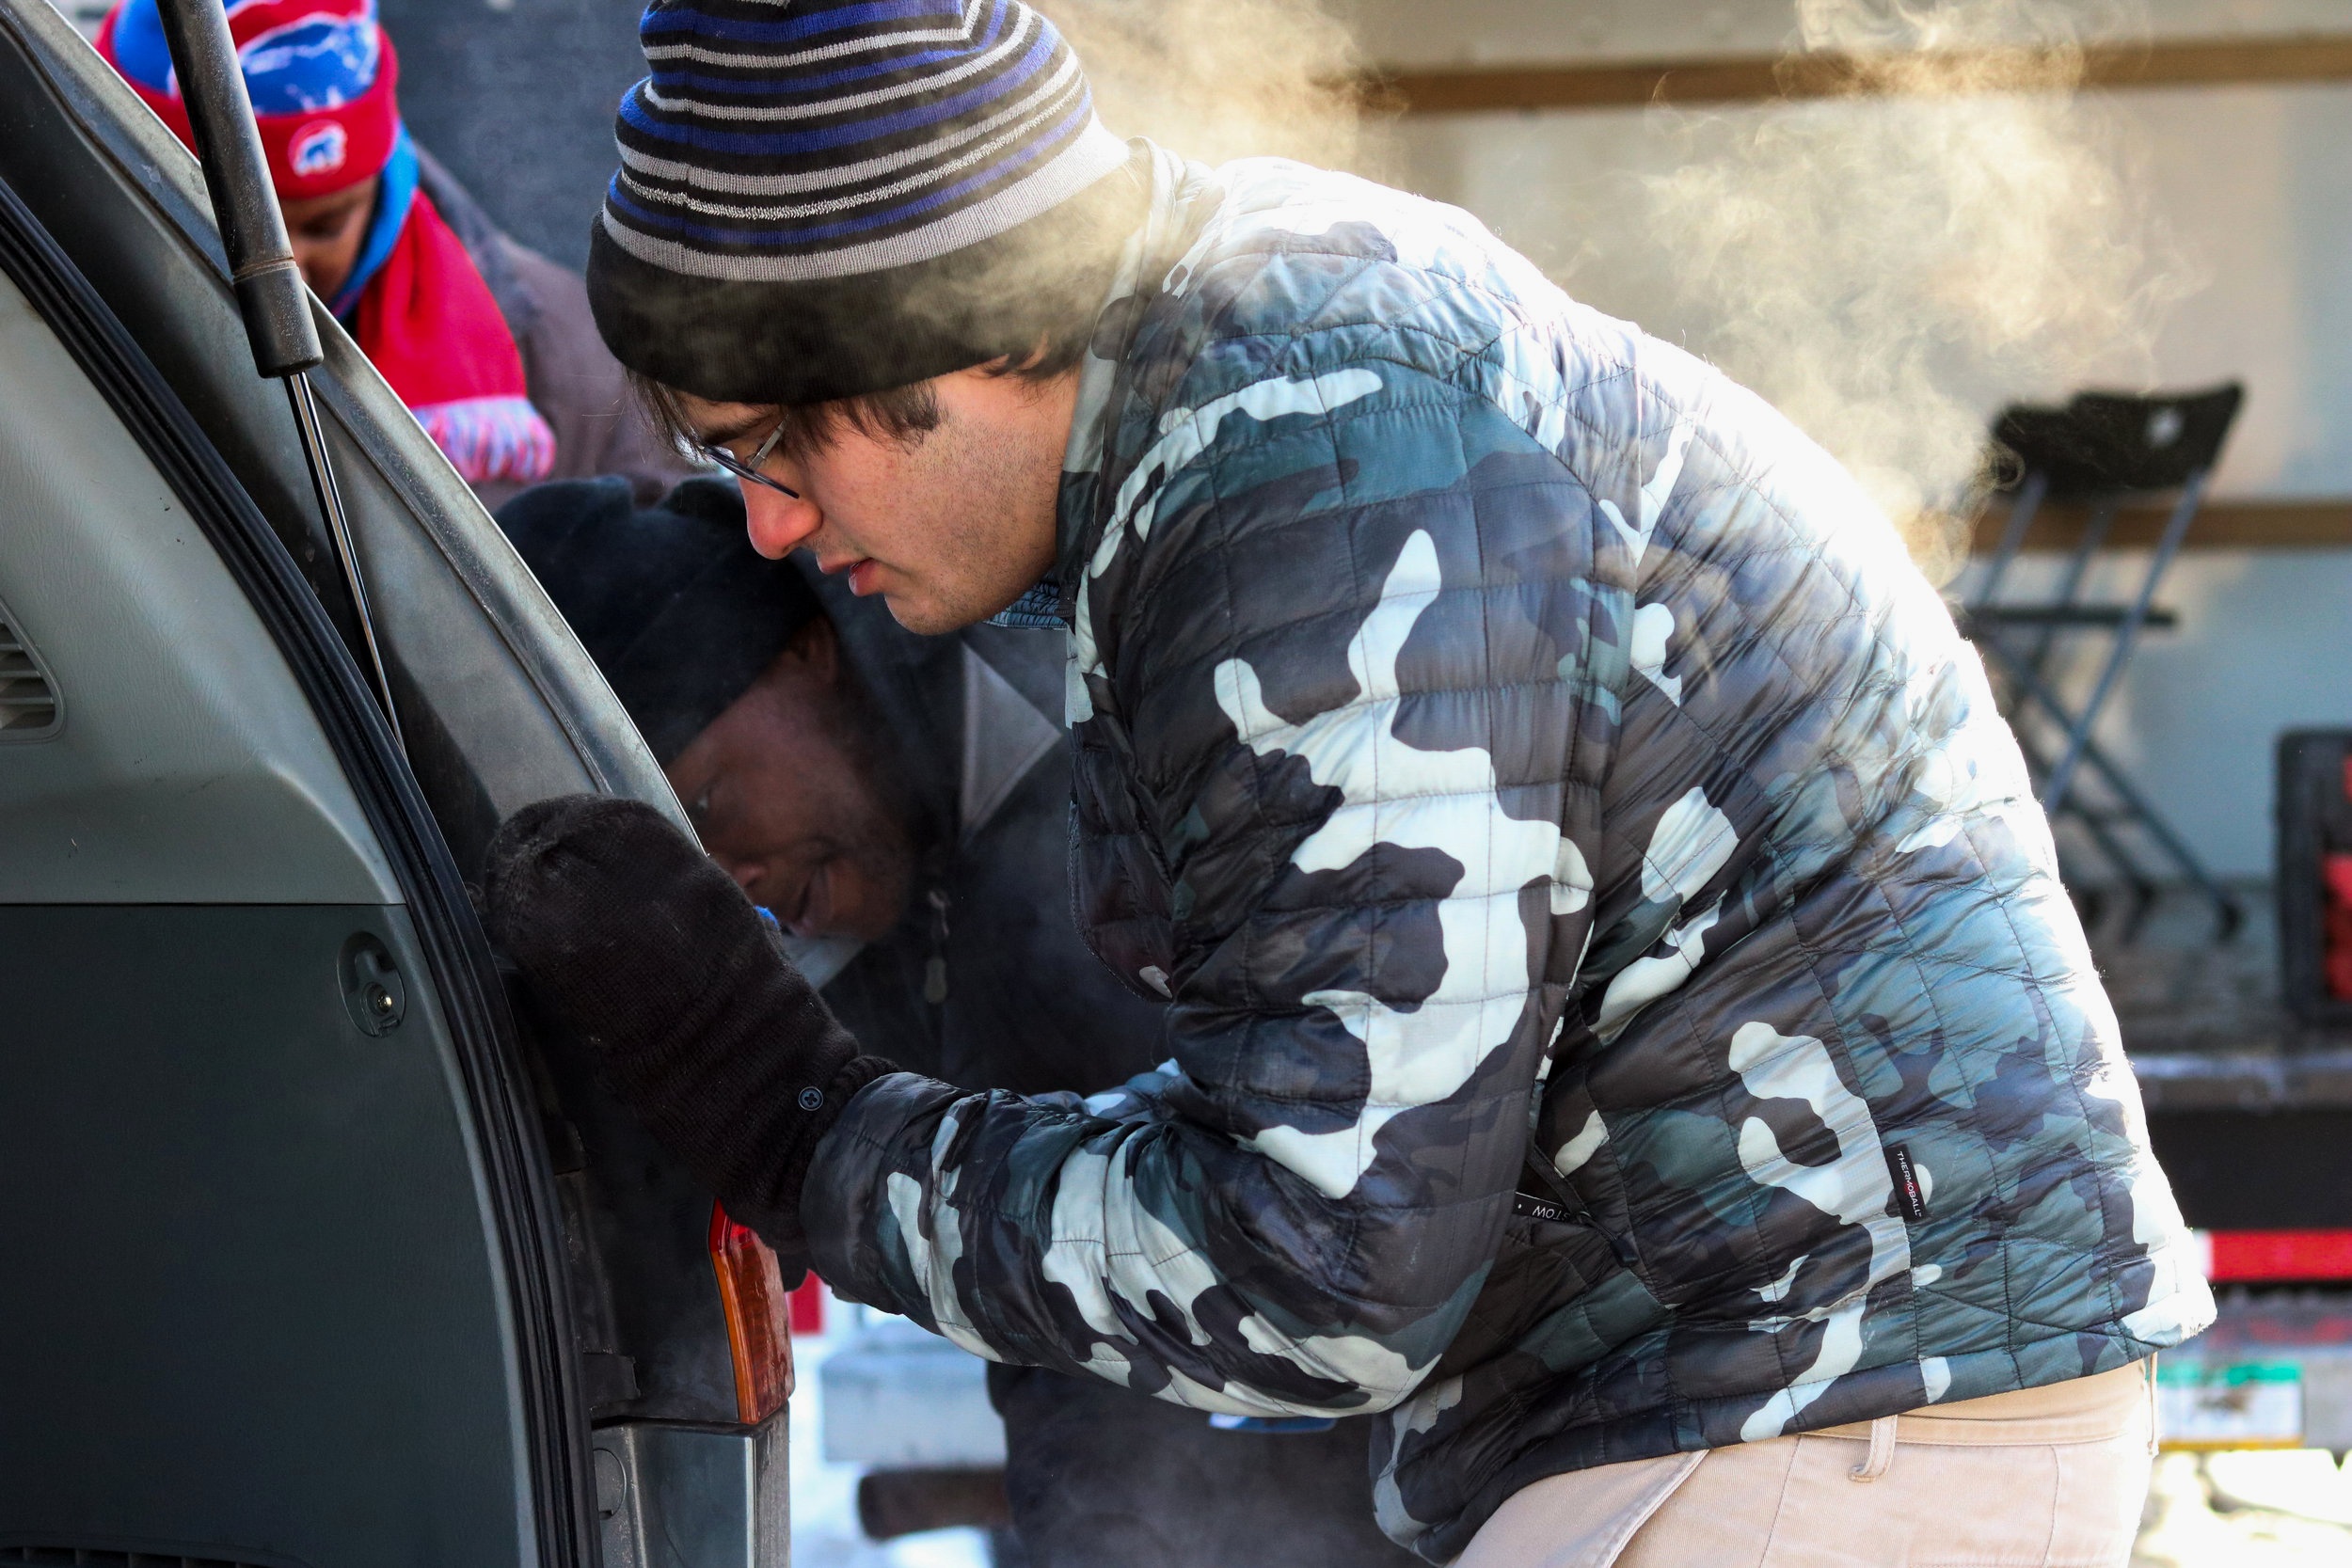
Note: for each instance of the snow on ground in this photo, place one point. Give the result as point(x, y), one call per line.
point(825, 1533)
point(2248, 1510)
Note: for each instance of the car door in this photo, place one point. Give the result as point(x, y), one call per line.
point(309, 1252)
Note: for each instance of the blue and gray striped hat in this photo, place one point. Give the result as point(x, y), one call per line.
point(823, 198)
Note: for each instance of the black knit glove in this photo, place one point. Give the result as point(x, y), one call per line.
point(632, 939)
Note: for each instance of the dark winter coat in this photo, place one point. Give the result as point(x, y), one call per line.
point(1621, 996)
point(984, 982)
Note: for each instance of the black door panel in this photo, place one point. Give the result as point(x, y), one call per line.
point(251, 1299)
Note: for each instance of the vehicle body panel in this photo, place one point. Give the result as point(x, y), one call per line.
point(286, 1285)
point(285, 1320)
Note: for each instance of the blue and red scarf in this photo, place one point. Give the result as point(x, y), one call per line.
point(424, 317)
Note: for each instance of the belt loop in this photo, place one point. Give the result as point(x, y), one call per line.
point(1882, 1450)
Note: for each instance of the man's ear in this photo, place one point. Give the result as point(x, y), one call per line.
point(814, 651)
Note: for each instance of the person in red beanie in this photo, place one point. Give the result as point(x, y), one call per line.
point(505, 380)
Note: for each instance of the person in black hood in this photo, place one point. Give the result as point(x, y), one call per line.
point(899, 804)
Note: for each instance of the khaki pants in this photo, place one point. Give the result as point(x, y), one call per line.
point(2047, 1478)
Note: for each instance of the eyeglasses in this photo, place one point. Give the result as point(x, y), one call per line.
point(747, 468)
point(718, 456)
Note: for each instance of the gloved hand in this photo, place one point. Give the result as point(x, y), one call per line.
point(631, 939)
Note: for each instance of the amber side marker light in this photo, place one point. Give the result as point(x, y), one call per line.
point(759, 1328)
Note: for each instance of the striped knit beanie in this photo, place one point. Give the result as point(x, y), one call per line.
point(819, 198)
point(320, 74)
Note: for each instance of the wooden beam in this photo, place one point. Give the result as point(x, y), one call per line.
point(2220, 525)
point(1756, 78)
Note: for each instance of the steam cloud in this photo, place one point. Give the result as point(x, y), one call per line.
point(1890, 269)
point(1220, 79)
point(1951, 229)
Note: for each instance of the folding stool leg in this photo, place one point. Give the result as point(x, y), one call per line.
point(2126, 640)
point(2225, 903)
point(2227, 910)
point(2071, 582)
point(2021, 514)
point(2118, 855)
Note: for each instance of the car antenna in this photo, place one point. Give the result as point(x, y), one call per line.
point(270, 291)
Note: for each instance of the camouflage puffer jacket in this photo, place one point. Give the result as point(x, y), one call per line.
point(1621, 996)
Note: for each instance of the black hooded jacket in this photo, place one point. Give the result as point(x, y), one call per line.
point(984, 982)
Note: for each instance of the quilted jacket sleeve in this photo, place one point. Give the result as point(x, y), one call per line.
point(1341, 780)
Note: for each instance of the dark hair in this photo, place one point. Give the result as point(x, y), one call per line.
point(902, 414)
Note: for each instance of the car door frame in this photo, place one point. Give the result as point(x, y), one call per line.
point(523, 1214)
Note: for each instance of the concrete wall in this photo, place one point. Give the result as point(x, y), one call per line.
point(2254, 185)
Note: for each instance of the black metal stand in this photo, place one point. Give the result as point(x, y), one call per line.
point(2098, 451)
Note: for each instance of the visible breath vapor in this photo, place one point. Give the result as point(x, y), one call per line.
point(1951, 229)
point(1220, 79)
point(1889, 267)
point(1211, 80)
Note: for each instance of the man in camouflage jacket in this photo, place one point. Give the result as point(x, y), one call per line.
point(1620, 998)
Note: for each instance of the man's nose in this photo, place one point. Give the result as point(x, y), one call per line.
point(778, 524)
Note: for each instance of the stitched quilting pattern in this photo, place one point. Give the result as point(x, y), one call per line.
point(1480, 707)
